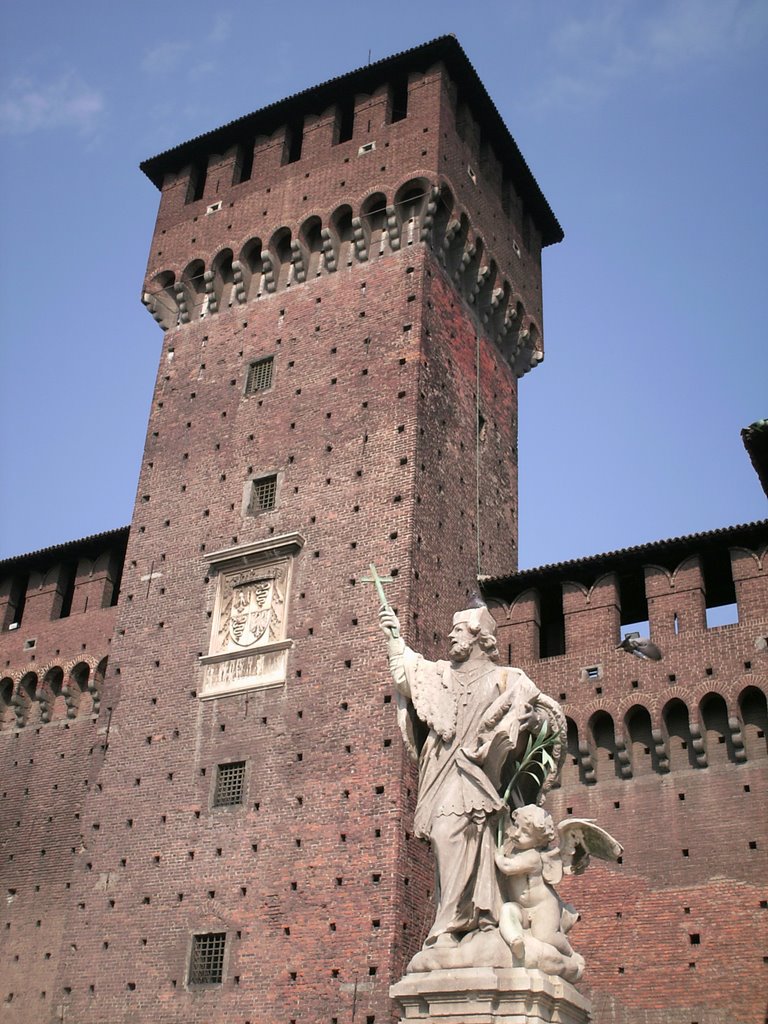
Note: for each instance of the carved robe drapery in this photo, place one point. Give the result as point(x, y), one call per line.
point(456, 796)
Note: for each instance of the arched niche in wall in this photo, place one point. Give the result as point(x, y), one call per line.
point(221, 280)
point(247, 271)
point(410, 204)
point(193, 290)
point(677, 728)
point(343, 236)
point(312, 245)
point(571, 771)
point(281, 254)
point(373, 214)
point(7, 716)
point(604, 745)
point(24, 698)
point(752, 708)
point(53, 707)
point(75, 690)
point(713, 715)
point(161, 299)
point(639, 739)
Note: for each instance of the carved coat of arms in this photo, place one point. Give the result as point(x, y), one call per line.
point(250, 609)
point(250, 612)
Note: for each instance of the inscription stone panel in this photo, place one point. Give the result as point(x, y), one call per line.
point(248, 644)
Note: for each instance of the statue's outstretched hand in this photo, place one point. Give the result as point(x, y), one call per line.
point(530, 719)
point(389, 622)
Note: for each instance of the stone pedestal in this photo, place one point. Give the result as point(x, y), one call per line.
point(488, 995)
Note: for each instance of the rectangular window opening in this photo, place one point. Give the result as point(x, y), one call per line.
point(230, 784)
point(399, 99)
point(345, 119)
point(197, 176)
point(243, 168)
point(552, 633)
point(294, 137)
point(206, 964)
point(68, 589)
point(263, 495)
point(722, 615)
point(259, 376)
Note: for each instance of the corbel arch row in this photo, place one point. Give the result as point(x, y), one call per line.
point(369, 227)
point(685, 731)
point(68, 690)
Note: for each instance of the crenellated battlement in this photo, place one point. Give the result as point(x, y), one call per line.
point(702, 599)
point(57, 615)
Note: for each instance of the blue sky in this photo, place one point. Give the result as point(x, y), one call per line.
point(644, 123)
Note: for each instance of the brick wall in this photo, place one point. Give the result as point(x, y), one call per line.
point(670, 757)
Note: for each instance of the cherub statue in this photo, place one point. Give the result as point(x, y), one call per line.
point(534, 921)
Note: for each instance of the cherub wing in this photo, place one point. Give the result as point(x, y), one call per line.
point(552, 866)
point(580, 839)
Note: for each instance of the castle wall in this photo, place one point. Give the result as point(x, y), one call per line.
point(670, 757)
point(312, 880)
point(54, 649)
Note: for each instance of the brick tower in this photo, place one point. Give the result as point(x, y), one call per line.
point(335, 275)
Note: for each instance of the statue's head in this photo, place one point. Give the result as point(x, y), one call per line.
point(530, 827)
point(473, 626)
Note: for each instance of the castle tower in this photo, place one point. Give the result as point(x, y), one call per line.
point(349, 287)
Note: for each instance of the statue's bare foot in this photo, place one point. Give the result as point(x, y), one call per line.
point(445, 939)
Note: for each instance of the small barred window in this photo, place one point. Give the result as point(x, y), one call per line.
point(259, 376)
point(206, 965)
point(230, 783)
point(263, 495)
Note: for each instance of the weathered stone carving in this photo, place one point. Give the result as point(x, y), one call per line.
point(534, 921)
point(489, 745)
point(469, 721)
point(248, 646)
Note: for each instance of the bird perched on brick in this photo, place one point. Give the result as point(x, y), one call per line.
point(640, 646)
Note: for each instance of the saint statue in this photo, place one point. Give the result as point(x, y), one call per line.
point(469, 722)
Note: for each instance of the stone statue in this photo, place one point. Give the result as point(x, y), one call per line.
point(534, 921)
point(469, 721)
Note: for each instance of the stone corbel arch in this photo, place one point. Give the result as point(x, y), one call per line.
point(24, 696)
point(247, 270)
point(96, 683)
point(529, 350)
point(77, 673)
point(311, 239)
point(49, 689)
point(161, 299)
point(339, 245)
point(409, 211)
point(372, 221)
point(219, 281)
point(7, 710)
point(190, 292)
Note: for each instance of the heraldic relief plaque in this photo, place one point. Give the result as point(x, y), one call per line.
point(248, 646)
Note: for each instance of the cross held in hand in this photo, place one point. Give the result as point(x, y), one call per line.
point(378, 581)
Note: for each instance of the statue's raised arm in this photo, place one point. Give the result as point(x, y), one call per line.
point(469, 721)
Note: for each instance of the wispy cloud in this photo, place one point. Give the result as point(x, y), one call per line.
point(222, 27)
point(184, 54)
point(30, 105)
point(164, 58)
point(615, 40)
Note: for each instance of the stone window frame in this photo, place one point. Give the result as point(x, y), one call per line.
point(227, 669)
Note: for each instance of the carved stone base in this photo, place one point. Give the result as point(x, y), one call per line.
point(487, 995)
